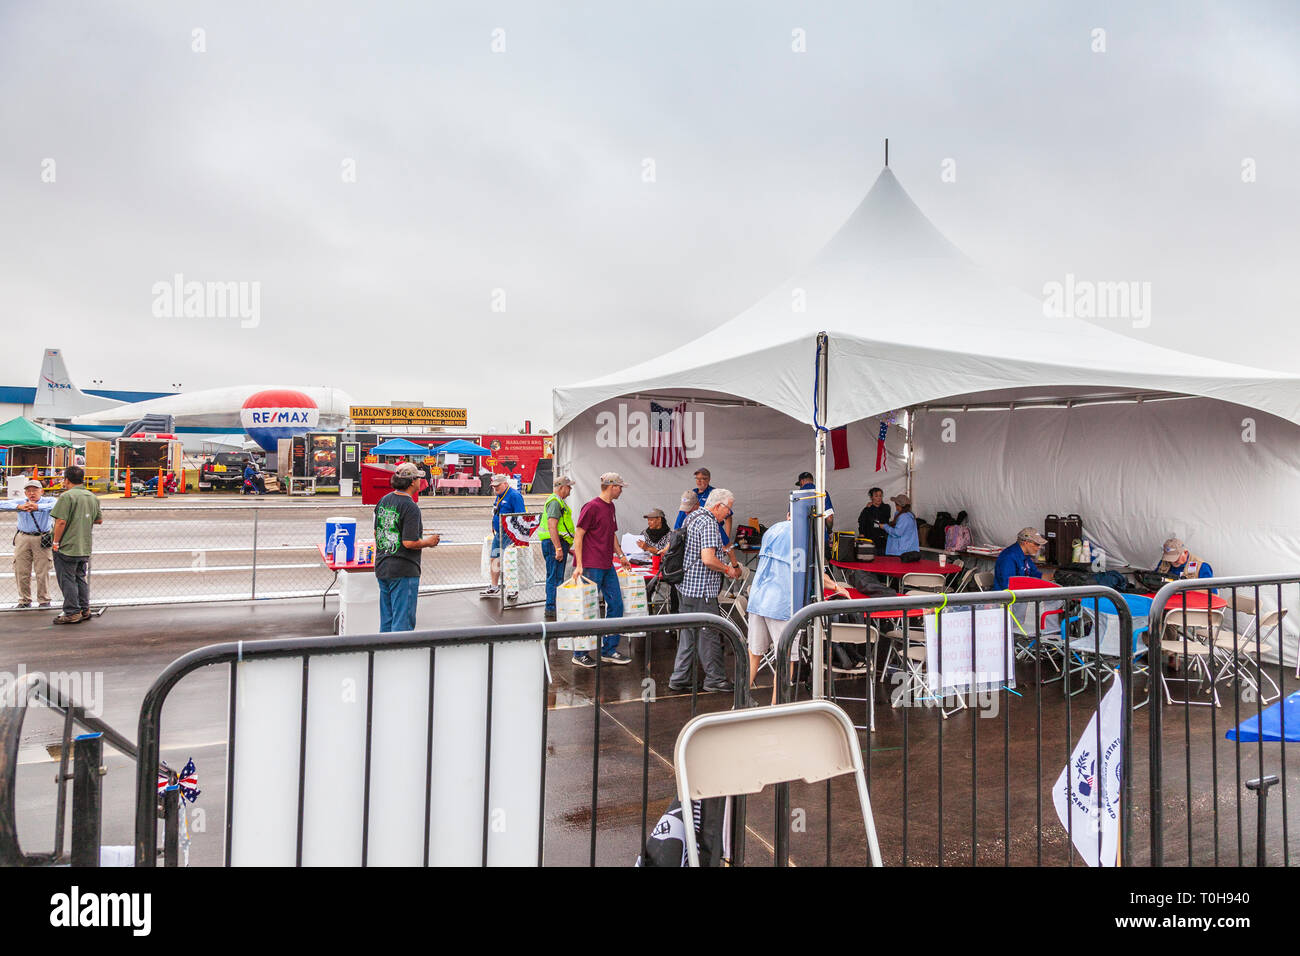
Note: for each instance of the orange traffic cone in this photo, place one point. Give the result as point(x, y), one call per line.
point(159, 493)
point(128, 484)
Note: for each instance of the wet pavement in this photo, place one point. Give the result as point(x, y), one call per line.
point(937, 784)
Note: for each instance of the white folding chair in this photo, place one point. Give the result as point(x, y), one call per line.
point(927, 583)
point(983, 580)
point(1194, 635)
point(742, 751)
point(1237, 653)
point(855, 635)
point(733, 589)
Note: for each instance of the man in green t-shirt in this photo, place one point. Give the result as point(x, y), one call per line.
point(75, 514)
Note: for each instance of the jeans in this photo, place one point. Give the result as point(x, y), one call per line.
point(73, 574)
point(397, 599)
point(607, 580)
point(710, 645)
point(554, 569)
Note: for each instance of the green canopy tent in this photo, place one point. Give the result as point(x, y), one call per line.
point(25, 445)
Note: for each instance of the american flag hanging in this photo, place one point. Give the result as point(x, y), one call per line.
point(187, 780)
point(667, 444)
point(521, 529)
point(882, 461)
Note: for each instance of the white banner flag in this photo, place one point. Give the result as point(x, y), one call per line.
point(1090, 784)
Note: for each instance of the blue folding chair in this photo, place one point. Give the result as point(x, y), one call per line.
point(1094, 653)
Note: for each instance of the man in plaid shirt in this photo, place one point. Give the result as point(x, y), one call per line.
point(702, 572)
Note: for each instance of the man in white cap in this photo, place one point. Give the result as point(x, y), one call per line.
point(508, 502)
point(1177, 562)
point(30, 555)
point(1017, 560)
point(595, 545)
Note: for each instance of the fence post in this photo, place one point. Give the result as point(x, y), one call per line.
point(171, 825)
point(87, 798)
point(256, 512)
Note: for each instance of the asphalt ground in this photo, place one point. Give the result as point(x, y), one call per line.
point(226, 547)
point(975, 787)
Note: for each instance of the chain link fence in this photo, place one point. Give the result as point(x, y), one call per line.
point(147, 553)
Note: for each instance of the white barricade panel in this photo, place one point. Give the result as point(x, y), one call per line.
point(518, 689)
point(399, 728)
point(459, 738)
point(459, 746)
point(262, 794)
point(334, 771)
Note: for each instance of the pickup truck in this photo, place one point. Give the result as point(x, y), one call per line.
point(224, 471)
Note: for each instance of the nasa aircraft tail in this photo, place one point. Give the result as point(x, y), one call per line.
point(57, 398)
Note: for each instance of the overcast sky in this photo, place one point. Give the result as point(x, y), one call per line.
point(523, 171)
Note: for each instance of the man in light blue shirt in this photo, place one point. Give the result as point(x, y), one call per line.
point(771, 596)
point(508, 501)
point(30, 558)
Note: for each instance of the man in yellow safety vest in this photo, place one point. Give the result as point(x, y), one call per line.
point(557, 525)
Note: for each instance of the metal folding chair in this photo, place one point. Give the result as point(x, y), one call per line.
point(742, 751)
point(1194, 638)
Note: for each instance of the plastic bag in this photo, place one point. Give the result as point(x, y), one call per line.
point(485, 559)
point(517, 568)
point(632, 585)
point(577, 601)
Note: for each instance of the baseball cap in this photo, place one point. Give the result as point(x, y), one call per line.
point(901, 500)
point(407, 468)
point(655, 513)
point(562, 480)
point(1174, 547)
point(612, 478)
point(500, 479)
point(1030, 534)
point(33, 483)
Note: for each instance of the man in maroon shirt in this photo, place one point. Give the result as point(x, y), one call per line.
point(595, 542)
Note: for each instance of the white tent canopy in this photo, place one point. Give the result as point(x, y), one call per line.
point(1204, 449)
point(911, 320)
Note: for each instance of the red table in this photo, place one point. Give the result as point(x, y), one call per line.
point(1195, 601)
point(336, 568)
point(856, 595)
point(891, 566)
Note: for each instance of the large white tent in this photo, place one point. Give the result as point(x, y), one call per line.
point(1013, 413)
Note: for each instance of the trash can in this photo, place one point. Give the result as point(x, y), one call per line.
point(345, 487)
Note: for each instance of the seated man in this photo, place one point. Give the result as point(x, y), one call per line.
point(875, 513)
point(654, 540)
point(1017, 560)
point(1176, 563)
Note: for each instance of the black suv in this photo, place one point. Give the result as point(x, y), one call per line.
point(224, 471)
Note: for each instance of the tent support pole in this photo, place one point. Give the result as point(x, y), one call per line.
point(907, 452)
point(819, 522)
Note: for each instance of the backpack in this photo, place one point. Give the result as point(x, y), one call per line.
point(672, 567)
point(956, 537)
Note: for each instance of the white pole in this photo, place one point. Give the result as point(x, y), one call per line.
point(819, 524)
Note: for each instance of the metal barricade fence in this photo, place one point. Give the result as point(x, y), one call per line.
point(523, 567)
point(1228, 636)
point(153, 553)
point(910, 760)
point(311, 686)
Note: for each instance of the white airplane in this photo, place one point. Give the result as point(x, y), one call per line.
point(210, 416)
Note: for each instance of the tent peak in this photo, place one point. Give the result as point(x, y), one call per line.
point(886, 226)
